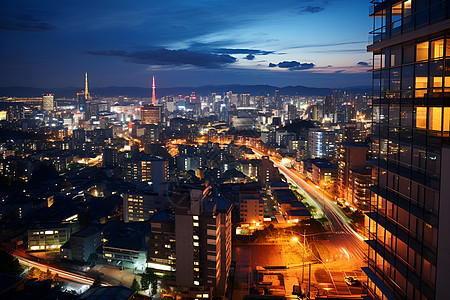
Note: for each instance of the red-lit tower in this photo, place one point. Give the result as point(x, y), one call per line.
point(153, 91)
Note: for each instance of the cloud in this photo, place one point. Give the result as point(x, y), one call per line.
point(23, 22)
point(163, 57)
point(292, 65)
point(311, 9)
point(213, 48)
point(363, 64)
point(250, 57)
point(328, 45)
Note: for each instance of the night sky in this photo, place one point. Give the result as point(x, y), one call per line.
point(318, 43)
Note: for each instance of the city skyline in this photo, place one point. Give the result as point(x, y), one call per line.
point(185, 44)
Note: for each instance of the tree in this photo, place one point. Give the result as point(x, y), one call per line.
point(135, 285)
point(149, 278)
point(9, 264)
point(154, 284)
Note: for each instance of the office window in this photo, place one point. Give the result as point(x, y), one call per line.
point(422, 51)
point(437, 49)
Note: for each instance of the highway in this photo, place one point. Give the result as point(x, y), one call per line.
point(339, 222)
point(77, 278)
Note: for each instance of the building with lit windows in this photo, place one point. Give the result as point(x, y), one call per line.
point(48, 102)
point(140, 167)
point(161, 253)
point(50, 236)
point(321, 144)
point(140, 206)
point(267, 171)
point(251, 204)
point(203, 246)
point(324, 173)
point(352, 156)
point(409, 227)
point(151, 114)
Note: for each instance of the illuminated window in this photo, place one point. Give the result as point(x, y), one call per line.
point(435, 118)
point(421, 117)
point(196, 282)
point(195, 218)
point(195, 224)
point(437, 49)
point(422, 51)
point(446, 119)
point(421, 83)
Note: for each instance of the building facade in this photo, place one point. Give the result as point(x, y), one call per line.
point(151, 114)
point(48, 102)
point(203, 246)
point(409, 228)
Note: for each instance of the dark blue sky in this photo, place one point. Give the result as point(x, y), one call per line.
point(317, 43)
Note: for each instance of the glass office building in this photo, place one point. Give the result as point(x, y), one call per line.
point(409, 218)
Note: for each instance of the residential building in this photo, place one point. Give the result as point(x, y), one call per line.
point(145, 168)
point(268, 172)
point(85, 242)
point(351, 156)
point(251, 204)
point(321, 143)
point(140, 206)
point(409, 227)
point(203, 245)
point(324, 173)
point(161, 253)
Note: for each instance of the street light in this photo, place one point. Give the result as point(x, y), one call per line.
point(295, 239)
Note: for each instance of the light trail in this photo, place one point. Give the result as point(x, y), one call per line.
point(61, 273)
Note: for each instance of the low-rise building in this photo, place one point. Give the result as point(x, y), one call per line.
point(324, 173)
point(85, 242)
point(50, 236)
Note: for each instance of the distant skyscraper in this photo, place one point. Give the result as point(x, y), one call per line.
point(244, 100)
point(48, 102)
point(151, 114)
point(292, 112)
point(328, 107)
point(409, 224)
point(153, 91)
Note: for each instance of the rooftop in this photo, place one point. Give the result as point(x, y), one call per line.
point(85, 232)
point(108, 293)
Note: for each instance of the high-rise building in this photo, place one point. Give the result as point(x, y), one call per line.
point(151, 114)
point(140, 167)
point(328, 107)
point(321, 143)
point(409, 227)
point(48, 102)
point(244, 100)
point(140, 206)
point(352, 181)
point(292, 112)
point(267, 171)
point(203, 246)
